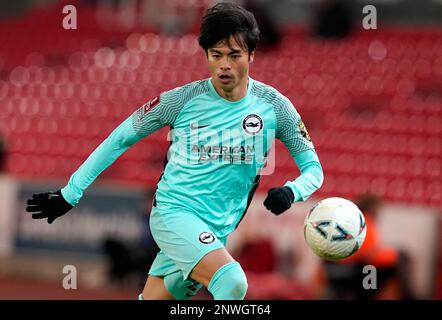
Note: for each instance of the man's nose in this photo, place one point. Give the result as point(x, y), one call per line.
point(225, 63)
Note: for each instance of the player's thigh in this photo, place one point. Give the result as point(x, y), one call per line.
point(186, 240)
point(173, 278)
point(209, 264)
point(155, 289)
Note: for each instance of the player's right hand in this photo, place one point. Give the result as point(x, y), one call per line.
point(50, 205)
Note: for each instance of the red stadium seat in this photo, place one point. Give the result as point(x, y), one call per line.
point(374, 123)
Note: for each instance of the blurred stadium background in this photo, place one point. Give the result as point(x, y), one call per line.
point(371, 100)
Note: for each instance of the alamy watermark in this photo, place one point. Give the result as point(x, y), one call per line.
point(370, 20)
point(369, 282)
point(70, 278)
point(70, 19)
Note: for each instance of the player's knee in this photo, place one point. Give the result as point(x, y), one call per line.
point(239, 286)
point(229, 283)
point(179, 288)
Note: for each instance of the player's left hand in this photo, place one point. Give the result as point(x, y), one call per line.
point(279, 200)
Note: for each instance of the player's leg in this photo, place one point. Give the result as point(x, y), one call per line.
point(166, 281)
point(217, 271)
point(156, 290)
point(221, 275)
point(193, 247)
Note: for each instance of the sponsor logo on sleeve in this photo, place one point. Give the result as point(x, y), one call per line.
point(304, 131)
point(147, 106)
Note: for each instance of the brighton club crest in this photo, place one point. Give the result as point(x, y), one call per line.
point(252, 124)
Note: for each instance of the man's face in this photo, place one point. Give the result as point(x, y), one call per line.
point(228, 64)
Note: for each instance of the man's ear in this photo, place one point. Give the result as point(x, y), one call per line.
point(251, 56)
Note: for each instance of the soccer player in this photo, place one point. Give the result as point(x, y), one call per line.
point(222, 129)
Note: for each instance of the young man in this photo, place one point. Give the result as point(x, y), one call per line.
point(223, 128)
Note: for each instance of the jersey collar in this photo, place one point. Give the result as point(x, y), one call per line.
point(225, 101)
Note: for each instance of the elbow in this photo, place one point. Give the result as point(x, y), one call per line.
point(121, 140)
point(315, 170)
point(126, 142)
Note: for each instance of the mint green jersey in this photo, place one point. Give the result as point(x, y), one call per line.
point(218, 149)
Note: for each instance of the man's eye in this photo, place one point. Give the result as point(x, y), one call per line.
point(236, 56)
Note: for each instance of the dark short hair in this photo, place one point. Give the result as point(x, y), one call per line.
point(227, 19)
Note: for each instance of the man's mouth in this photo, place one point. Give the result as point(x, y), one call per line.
point(225, 78)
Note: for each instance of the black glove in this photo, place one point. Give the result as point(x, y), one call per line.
point(49, 205)
point(279, 199)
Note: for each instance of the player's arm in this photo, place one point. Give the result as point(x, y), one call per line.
point(292, 132)
point(149, 118)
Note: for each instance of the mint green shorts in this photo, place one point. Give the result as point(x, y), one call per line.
point(184, 239)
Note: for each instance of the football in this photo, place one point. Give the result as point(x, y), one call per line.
point(334, 228)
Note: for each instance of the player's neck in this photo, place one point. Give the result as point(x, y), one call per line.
point(236, 94)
